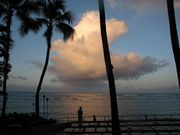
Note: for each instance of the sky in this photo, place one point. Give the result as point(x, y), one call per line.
point(139, 42)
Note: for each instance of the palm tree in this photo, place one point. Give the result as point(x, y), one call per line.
point(53, 16)
point(3, 46)
point(5, 43)
point(174, 36)
point(2, 50)
point(109, 67)
point(3, 40)
point(8, 9)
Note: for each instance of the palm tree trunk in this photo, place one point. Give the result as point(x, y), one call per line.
point(9, 21)
point(174, 36)
point(42, 75)
point(114, 107)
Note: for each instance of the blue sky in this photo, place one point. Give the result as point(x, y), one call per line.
point(146, 35)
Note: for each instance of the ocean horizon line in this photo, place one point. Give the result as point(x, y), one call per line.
point(96, 92)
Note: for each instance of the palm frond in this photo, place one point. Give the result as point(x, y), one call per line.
point(43, 21)
point(49, 11)
point(15, 2)
point(3, 28)
point(4, 18)
point(5, 41)
point(67, 17)
point(3, 10)
point(47, 33)
point(22, 15)
point(30, 7)
point(59, 4)
point(1, 54)
point(46, 12)
point(65, 29)
point(30, 25)
point(52, 8)
point(2, 51)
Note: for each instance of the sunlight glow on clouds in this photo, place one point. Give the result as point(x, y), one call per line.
point(81, 59)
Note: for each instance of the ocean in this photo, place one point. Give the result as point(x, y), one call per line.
point(61, 105)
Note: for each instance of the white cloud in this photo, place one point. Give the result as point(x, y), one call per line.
point(81, 59)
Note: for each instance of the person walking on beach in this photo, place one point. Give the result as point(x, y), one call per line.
point(80, 115)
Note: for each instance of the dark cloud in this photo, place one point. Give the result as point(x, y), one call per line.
point(134, 70)
point(33, 88)
point(74, 87)
point(85, 86)
point(37, 63)
point(54, 80)
point(18, 77)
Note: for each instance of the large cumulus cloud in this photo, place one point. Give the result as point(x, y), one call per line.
point(81, 59)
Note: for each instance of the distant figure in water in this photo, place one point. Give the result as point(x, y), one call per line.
point(80, 115)
point(94, 118)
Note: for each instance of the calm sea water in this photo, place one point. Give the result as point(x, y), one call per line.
point(62, 105)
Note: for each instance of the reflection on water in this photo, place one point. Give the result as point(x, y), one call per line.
point(61, 105)
point(91, 104)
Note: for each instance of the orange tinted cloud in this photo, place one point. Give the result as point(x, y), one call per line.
point(81, 59)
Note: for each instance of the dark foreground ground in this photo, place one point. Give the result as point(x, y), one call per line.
point(128, 127)
point(25, 124)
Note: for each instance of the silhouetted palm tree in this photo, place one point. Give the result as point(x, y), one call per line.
point(8, 9)
point(109, 67)
point(2, 40)
point(3, 46)
point(5, 43)
point(53, 16)
point(174, 36)
point(2, 51)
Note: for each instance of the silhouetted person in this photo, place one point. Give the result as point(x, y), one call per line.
point(146, 117)
point(80, 115)
point(94, 118)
